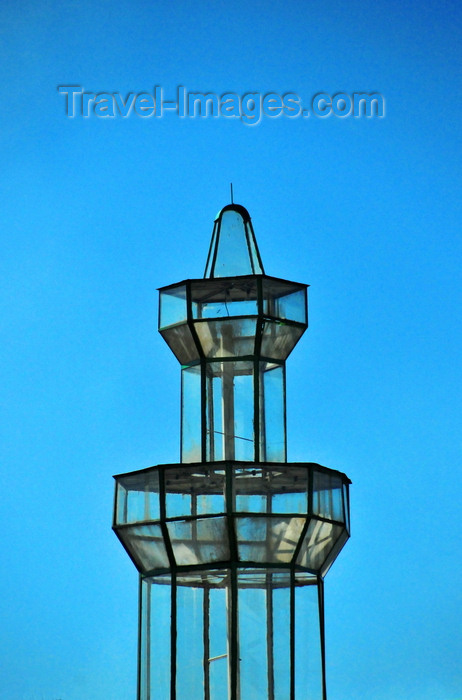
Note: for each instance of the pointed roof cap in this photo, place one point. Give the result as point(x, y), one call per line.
point(233, 248)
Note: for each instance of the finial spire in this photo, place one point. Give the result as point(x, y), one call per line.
point(231, 186)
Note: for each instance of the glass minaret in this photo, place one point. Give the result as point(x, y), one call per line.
point(232, 544)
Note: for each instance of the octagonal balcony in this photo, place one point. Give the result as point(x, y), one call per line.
point(181, 518)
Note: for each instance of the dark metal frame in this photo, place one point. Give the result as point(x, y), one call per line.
point(186, 343)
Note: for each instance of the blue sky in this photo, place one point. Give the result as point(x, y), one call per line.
point(98, 213)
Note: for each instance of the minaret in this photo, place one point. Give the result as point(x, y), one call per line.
point(233, 543)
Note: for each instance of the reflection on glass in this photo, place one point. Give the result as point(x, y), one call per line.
point(199, 541)
point(181, 343)
point(234, 337)
point(146, 545)
point(318, 543)
point(268, 539)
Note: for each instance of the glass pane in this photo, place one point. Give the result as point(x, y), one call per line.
point(191, 439)
point(224, 298)
point(227, 338)
point(319, 540)
point(172, 306)
point(218, 638)
point(254, 625)
point(292, 306)
point(230, 402)
point(272, 428)
point(190, 643)
point(281, 638)
point(258, 269)
point(197, 490)
point(181, 343)
point(199, 541)
point(327, 496)
point(155, 640)
point(279, 339)
point(270, 489)
point(146, 545)
point(285, 300)
point(335, 551)
point(138, 497)
point(308, 667)
point(267, 539)
point(243, 417)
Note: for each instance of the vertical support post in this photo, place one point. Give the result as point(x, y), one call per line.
point(233, 635)
point(140, 639)
point(292, 634)
point(173, 639)
point(206, 633)
point(259, 413)
point(269, 607)
point(322, 635)
point(270, 635)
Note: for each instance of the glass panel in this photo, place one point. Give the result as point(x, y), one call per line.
point(146, 545)
point(284, 300)
point(335, 551)
point(279, 339)
point(138, 497)
point(243, 417)
point(191, 439)
point(230, 402)
point(317, 544)
point(155, 640)
point(267, 539)
point(327, 496)
point(181, 343)
point(194, 490)
point(258, 269)
point(253, 607)
point(308, 666)
point(272, 406)
point(172, 306)
point(292, 306)
point(224, 298)
point(227, 338)
point(199, 541)
point(281, 637)
point(270, 489)
point(190, 643)
point(233, 255)
point(219, 654)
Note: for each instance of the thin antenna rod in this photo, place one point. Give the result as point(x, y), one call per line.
point(231, 185)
